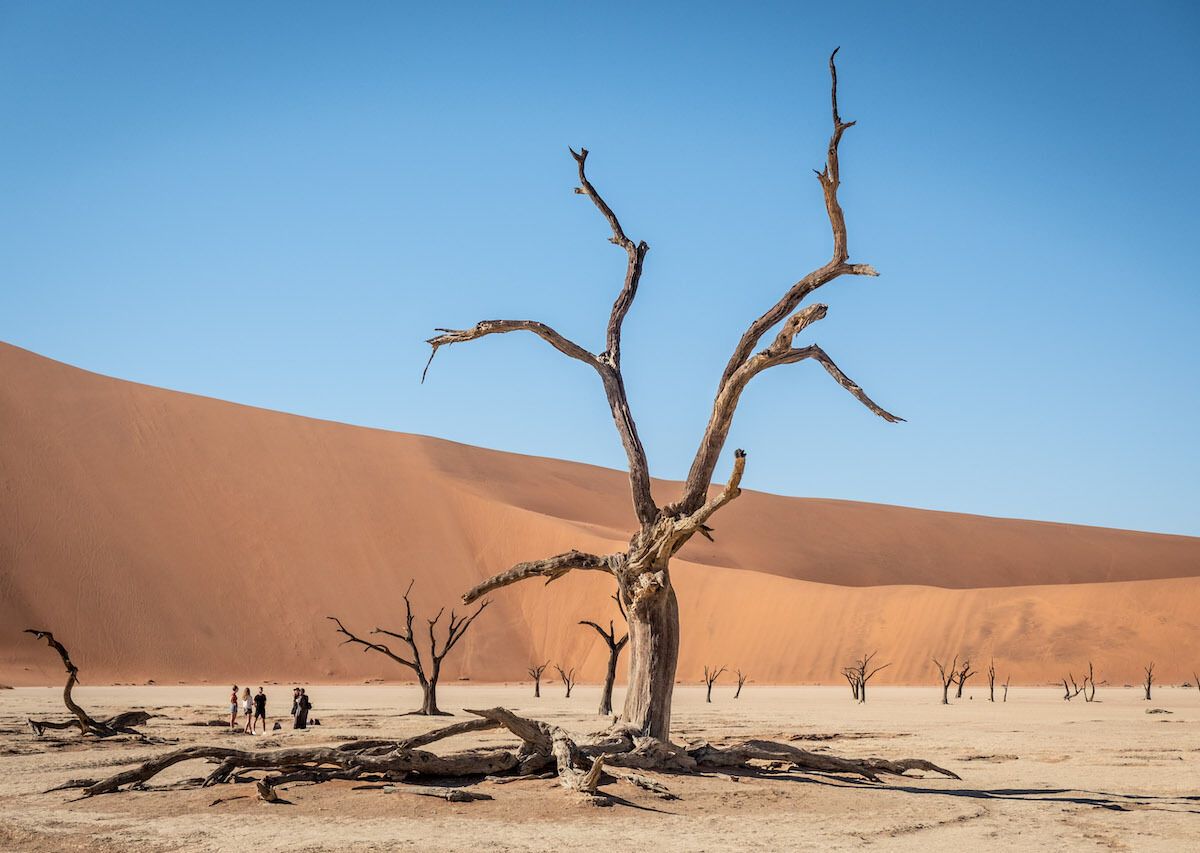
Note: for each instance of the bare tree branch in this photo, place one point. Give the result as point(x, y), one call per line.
point(500, 327)
point(551, 568)
point(711, 445)
point(633, 272)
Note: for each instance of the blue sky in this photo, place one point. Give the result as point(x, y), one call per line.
point(276, 203)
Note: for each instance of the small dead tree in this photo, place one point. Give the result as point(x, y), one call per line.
point(992, 680)
point(1006, 687)
point(1149, 679)
point(741, 679)
point(1089, 685)
point(710, 677)
point(963, 674)
point(947, 676)
point(567, 677)
point(614, 653)
point(429, 672)
point(535, 672)
point(121, 724)
point(864, 673)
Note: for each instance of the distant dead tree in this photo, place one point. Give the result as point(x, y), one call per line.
point(614, 653)
point(1006, 687)
point(1149, 679)
point(710, 676)
point(851, 675)
point(121, 724)
point(567, 677)
point(535, 672)
point(947, 676)
point(962, 676)
point(1089, 681)
point(427, 674)
point(863, 672)
point(741, 679)
point(1196, 678)
point(1070, 692)
point(992, 680)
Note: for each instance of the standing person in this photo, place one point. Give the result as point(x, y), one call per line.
point(233, 708)
point(295, 704)
point(303, 704)
point(247, 708)
point(260, 711)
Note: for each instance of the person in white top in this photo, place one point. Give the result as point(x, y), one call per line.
point(248, 709)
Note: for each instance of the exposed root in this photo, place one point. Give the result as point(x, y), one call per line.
point(578, 764)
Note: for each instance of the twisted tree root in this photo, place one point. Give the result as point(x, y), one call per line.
point(120, 724)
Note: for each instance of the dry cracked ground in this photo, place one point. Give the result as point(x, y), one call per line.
point(1036, 772)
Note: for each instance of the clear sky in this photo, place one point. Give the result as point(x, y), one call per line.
point(277, 203)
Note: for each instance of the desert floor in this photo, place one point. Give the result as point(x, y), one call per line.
point(1037, 772)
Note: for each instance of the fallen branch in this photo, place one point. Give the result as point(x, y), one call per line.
point(120, 724)
point(579, 763)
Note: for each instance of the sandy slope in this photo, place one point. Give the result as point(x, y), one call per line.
point(172, 537)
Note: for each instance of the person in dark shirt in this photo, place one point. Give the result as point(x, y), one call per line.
point(260, 711)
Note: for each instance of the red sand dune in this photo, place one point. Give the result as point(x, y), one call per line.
point(178, 538)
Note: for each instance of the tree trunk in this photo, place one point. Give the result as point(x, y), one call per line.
point(945, 693)
point(537, 689)
point(614, 652)
point(429, 703)
point(653, 619)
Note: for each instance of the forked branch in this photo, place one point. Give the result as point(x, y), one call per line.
point(742, 366)
point(607, 365)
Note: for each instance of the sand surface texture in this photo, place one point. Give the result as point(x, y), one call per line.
point(1038, 774)
point(166, 536)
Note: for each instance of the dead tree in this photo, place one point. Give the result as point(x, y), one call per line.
point(535, 672)
point(429, 672)
point(121, 724)
point(992, 680)
point(851, 675)
point(710, 676)
point(1089, 680)
point(1149, 679)
point(567, 677)
point(1006, 679)
point(963, 674)
point(614, 653)
point(947, 676)
point(863, 674)
point(642, 570)
point(741, 679)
